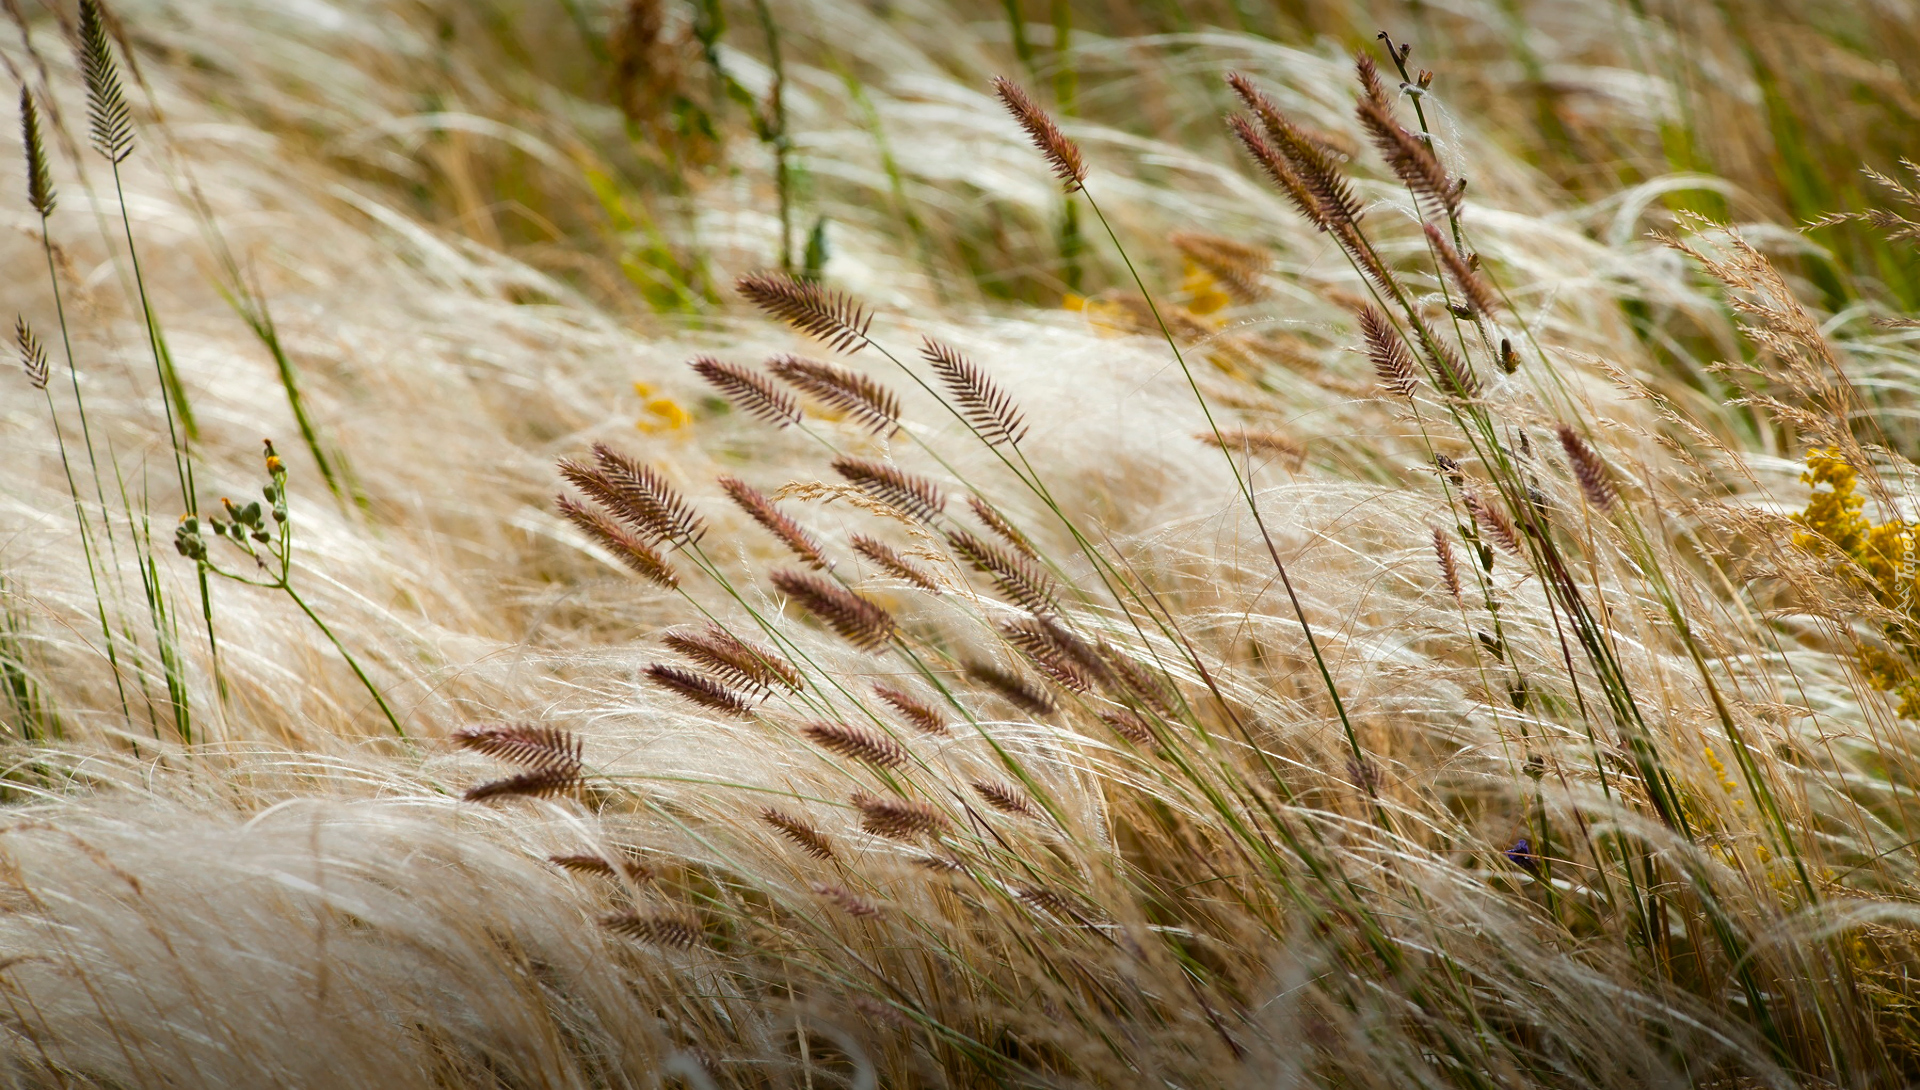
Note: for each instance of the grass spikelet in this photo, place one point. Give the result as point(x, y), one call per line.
point(860, 397)
point(1016, 577)
point(984, 405)
point(1128, 724)
point(895, 487)
point(737, 661)
point(40, 192)
point(860, 622)
point(540, 783)
point(33, 355)
point(802, 832)
point(833, 318)
point(1044, 646)
point(1277, 169)
point(898, 819)
point(1588, 470)
point(672, 932)
point(1472, 285)
point(109, 121)
point(1062, 154)
point(533, 747)
point(1317, 168)
point(1495, 522)
point(1407, 154)
point(762, 510)
point(1452, 374)
point(857, 743)
point(1291, 453)
point(628, 549)
point(594, 864)
point(1130, 678)
point(1018, 691)
point(850, 903)
point(1235, 265)
point(699, 688)
point(750, 391)
point(1393, 365)
point(1449, 564)
point(1001, 528)
point(646, 498)
point(1005, 798)
point(890, 561)
point(920, 715)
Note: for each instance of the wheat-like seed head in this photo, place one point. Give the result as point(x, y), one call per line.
point(898, 819)
point(1044, 646)
point(1004, 530)
point(673, 931)
point(33, 356)
point(862, 623)
point(781, 525)
point(109, 121)
point(40, 193)
point(1005, 797)
point(1393, 365)
point(748, 665)
point(859, 743)
point(803, 834)
point(1129, 725)
point(857, 395)
point(1062, 154)
point(630, 550)
point(1472, 285)
point(983, 404)
point(1317, 168)
point(890, 560)
point(1018, 578)
point(1409, 155)
point(1235, 265)
point(921, 715)
point(850, 903)
point(1449, 566)
point(1017, 690)
point(535, 747)
point(699, 689)
point(645, 500)
point(893, 486)
point(1588, 470)
point(540, 783)
point(1494, 520)
point(834, 318)
point(749, 390)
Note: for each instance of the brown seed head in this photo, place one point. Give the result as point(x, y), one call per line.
point(699, 689)
point(898, 819)
point(854, 394)
point(861, 622)
point(1449, 566)
point(1495, 521)
point(831, 317)
point(893, 486)
point(1393, 365)
point(1588, 469)
point(629, 549)
point(803, 834)
point(737, 661)
point(673, 931)
point(749, 390)
point(1063, 155)
point(981, 403)
point(859, 743)
point(762, 510)
point(33, 357)
point(918, 713)
point(890, 560)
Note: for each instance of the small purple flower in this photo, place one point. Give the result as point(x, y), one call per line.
point(1521, 855)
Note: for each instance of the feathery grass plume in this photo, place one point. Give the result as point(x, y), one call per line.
point(860, 397)
point(833, 318)
point(898, 819)
point(1278, 170)
point(1479, 296)
point(1051, 903)
point(646, 498)
point(109, 121)
point(1128, 724)
point(1040, 643)
point(1018, 691)
point(984, 405)
point(849, 903)
point(628, 549)
point(1290, 451)
point(1005, 798)
point(40, 193)
point(762, 510)
point(1001, 528)
point(631, 500)
point(737, 661)
point(1393, 365)
point(1408, 154)
point(1495, 521)
point(1317, 168)
point(540, 783)
point(1449, 565)
point(33, 355)
point(1129, 678)
point(803, 834)
point(543, 749)
point(862, 623)
point(890, 560)
point(1063, 155)
point(750, 391)
point(699, 688)
point(922, 716)
point(593, 864)
point(673, 932)
point(1453, 375)
point(859, 743)
point(895, 487)
point(1588, 469)
point(1235, 265)
point(1019, 579)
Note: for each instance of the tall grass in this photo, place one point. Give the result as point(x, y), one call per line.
point(1352, 606)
